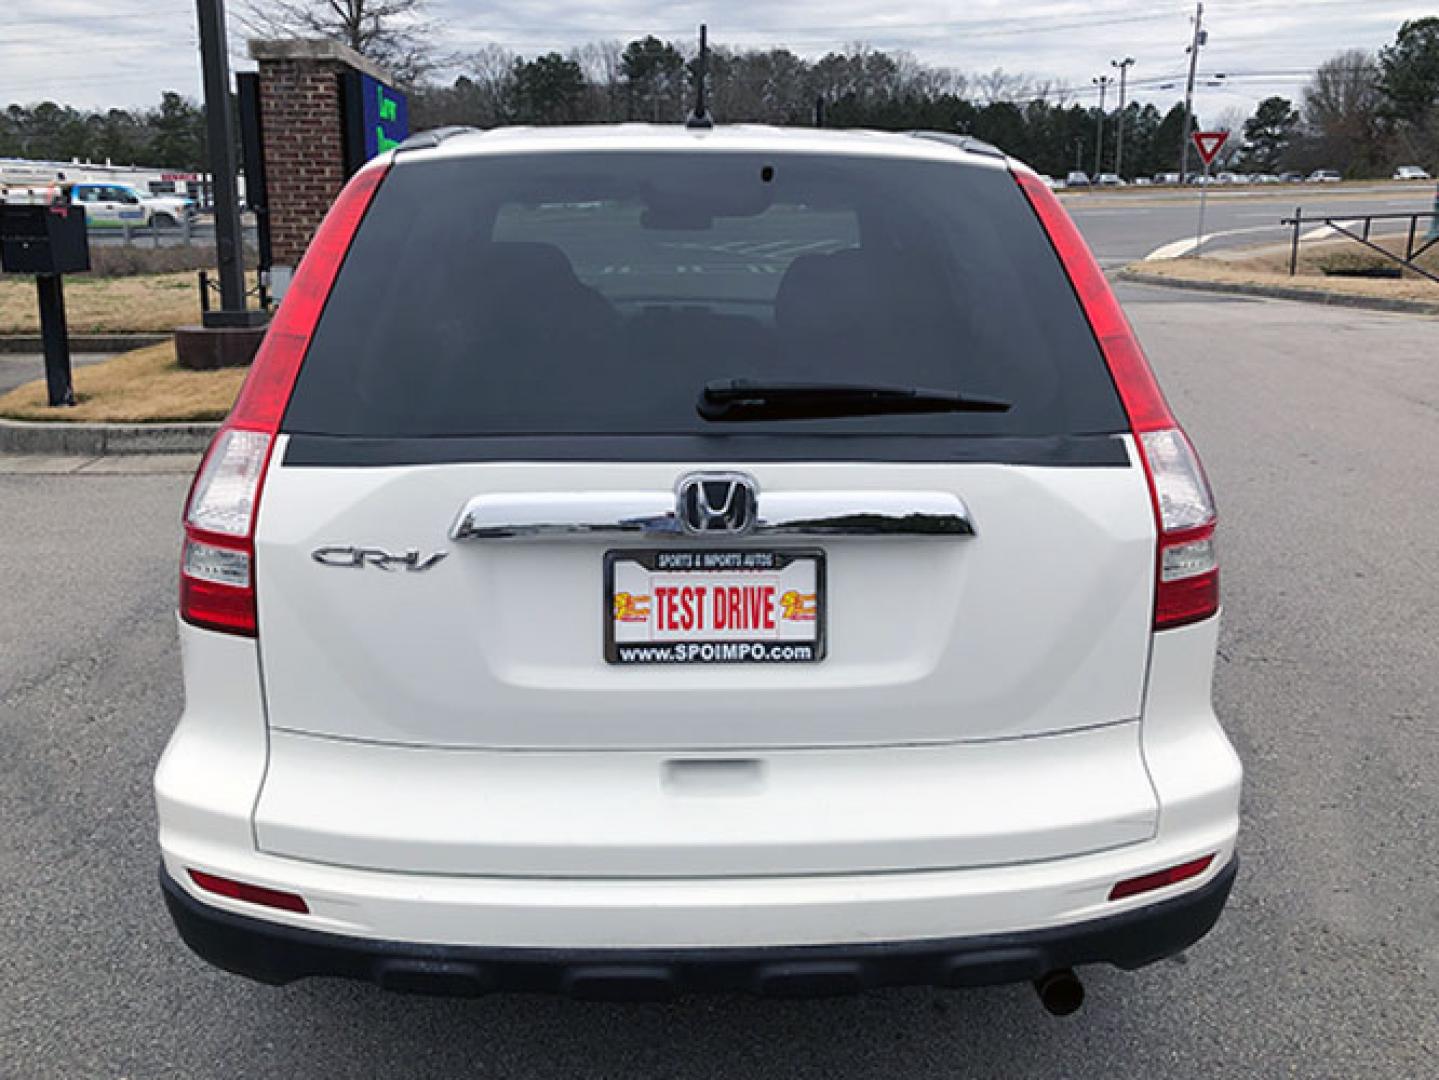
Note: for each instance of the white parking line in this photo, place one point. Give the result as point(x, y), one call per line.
point(759, 249)
point(797, 248)
point(774, 249)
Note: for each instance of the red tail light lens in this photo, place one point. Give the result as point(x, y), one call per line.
point(251, 894)
point(1187, 586)
point(267, 388)
point(217, 586)
point(217, 581)
point(1187, 570)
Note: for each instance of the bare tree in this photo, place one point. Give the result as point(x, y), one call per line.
point(920, 80)
point(394, 33)
point(1231, 120)
point(1045, 92)
point(600, 62)
point(490, 74)
point(1342, 108)
point(1001, 86)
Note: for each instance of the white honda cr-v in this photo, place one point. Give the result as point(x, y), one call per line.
point(647, 559)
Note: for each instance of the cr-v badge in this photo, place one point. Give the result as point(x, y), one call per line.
point(358, 557)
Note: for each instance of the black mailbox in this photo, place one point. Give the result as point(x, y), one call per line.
point(43, 240)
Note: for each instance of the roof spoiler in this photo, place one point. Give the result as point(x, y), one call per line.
point(964, 142)
point(427, 140)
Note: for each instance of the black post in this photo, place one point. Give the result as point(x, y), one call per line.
point(1294, 246)
point(220, 134)
point(252, 146)
point(56, 340)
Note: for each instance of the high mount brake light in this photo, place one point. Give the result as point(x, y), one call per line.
point(217, 578)
point(1186, 574)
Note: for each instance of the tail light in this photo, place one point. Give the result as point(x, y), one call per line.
point(217, 568)
point(1186, 586)
point(217, 585)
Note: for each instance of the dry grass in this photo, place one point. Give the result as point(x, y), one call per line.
point(149, 303)
point(1270, 266)
point(153, 303)
point(136, 387)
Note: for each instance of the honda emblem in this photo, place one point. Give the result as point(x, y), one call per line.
point(717, 503)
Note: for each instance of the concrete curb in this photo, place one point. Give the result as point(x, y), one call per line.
point(98, 440)
point(1283, 292)
point(82, 343)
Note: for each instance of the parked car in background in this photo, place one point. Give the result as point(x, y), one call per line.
point(1051, 183)
point(1291, 177)
point(1142, 181)
point(1325, 176)
point(1109, 179)
point(1265, 178)
point(1228, 178)
point(1411, 172)
point(1077, 179)
point(1166, 178)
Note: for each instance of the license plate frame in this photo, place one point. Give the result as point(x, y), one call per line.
point(710, 565)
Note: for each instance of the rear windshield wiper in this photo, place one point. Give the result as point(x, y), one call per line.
point(743, 399)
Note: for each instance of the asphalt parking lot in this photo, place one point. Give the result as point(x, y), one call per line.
point(1320, 430)
point(16, 369)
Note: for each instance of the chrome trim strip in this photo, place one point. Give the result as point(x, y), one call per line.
point(568, 515)
point(863, 513)
point(650, 515)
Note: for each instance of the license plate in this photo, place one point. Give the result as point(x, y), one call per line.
point(714, 607)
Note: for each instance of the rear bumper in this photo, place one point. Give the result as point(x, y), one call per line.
point(278, 954)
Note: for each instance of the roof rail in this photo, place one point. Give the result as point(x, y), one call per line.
point(426, 140)
point(964, 142)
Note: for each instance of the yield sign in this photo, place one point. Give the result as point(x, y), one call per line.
point(1209, 144)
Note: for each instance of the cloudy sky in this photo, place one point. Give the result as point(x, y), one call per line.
point(124, 52)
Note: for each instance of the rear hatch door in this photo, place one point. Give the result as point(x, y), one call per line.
point(518, 342)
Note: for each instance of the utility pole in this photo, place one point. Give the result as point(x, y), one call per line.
point(1123, 66)
point(220, 136)
point(1200, 37)
point(1102, 82)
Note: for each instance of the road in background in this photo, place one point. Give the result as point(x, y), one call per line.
point(1123, 227)
point(1318, 429)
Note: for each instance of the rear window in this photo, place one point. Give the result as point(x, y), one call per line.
point(597, 293)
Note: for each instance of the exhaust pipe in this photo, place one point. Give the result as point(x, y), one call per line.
point(1060, 992)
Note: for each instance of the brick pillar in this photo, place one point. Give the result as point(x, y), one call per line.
point(303, 136)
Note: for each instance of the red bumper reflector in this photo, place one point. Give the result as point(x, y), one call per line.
point(1160, 878)
point(251, 894)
